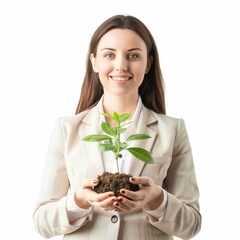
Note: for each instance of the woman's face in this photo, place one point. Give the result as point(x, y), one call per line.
point(121, 62)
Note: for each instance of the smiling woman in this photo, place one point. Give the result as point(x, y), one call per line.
point(121, 61)
point(122, 76)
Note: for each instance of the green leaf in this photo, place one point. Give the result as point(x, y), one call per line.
point(96, 138)
point(108, 115)
point(122, 130)
point(141, 154)
point(109, 141)
point(123, 117)
point(108, 129)
point(116, 117)
point(123, 145)
point(138, 136)
point(106, 147)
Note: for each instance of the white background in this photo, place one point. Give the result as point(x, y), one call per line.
point(43, 47)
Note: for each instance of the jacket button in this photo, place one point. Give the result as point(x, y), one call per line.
point(114, 219)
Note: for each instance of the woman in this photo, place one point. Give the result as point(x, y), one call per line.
point(123, 75)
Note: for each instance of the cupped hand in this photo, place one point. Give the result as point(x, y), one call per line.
point(86, 197)
point(149, 195)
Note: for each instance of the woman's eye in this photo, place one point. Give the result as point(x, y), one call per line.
point(108, 55)
point(133, 56)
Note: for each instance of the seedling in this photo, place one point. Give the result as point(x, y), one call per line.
point(111, 140)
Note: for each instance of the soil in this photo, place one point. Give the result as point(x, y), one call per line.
point(114, 182)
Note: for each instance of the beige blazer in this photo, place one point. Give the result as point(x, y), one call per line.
point(69, 160)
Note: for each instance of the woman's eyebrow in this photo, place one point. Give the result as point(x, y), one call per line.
point(129, 50)
point(134, 49)
point(111, 49)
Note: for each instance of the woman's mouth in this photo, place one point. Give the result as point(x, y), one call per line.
point(121, 79)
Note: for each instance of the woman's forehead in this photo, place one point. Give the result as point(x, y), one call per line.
point(116, 38)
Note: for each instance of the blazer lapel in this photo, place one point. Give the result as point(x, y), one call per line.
point(91, 123)
point(146, 118)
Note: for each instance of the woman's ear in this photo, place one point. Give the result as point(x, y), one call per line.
point(93, 61)
point(149, 64)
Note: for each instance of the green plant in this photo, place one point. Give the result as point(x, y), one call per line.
point(112, 142)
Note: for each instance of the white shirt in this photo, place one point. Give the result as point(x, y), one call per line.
point(76, 214)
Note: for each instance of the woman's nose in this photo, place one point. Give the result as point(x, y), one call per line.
point(121, 64)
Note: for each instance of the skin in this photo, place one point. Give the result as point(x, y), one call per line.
point(121, 62)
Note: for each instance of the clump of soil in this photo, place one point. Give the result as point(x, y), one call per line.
point(115, 182)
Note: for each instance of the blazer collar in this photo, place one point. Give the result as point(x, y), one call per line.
point(93, 115)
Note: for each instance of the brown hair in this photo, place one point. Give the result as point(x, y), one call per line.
point(151, 89)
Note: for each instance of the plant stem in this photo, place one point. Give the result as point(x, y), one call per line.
point(117, 162)
point(118, 144)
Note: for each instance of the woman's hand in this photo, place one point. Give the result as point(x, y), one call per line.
point(86, 197)
point(149, 195)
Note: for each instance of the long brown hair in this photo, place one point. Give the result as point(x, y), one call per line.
point(152, 87)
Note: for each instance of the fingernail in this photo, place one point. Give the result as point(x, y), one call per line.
point(95, 181)
point(132, 179)
point(123, 192)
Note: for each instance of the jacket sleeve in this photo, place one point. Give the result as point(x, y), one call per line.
point(181, 216)
point(50, 216)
